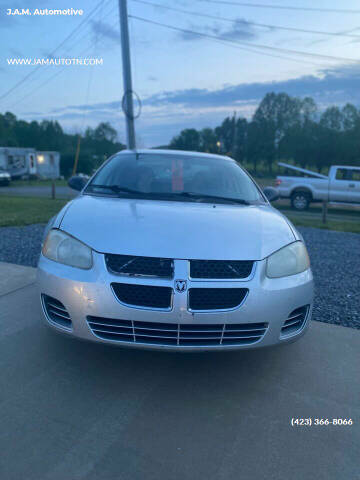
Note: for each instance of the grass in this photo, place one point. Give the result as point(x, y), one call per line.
point(18, 211)
point(339, 226)
point(265, 181)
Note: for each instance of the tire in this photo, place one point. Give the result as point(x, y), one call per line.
point(300, 200)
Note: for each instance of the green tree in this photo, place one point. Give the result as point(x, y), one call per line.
point(332, 119)
point(208, 140)
point(275, 114)
point(189, 139)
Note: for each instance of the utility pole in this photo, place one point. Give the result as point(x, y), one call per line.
point(235, 136)
point(128, 106)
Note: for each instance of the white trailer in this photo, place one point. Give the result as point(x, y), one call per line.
point(18, 161)
point(27, 162)
point(48, 164)
point(342, 186)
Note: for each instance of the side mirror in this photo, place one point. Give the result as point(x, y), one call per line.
point(77, 182)
point(271, 194)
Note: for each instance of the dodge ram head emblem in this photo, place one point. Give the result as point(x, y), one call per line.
point(180, 285)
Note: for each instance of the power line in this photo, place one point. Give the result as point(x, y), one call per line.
point(56, 74)
point(71, 34)
point(278, 49)
point(218, 40)
point(238, 47)
point(246, 22)
point(283, 7)
point(31, 92)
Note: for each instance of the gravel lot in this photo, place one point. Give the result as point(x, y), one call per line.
point(335, 258)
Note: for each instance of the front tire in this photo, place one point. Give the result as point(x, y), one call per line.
point(300, 200)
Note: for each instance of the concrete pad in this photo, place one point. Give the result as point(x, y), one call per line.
point(13, 277)
point(71, 409)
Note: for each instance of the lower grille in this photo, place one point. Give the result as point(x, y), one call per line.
point(146, 296)
point(220, 268)
point(56, 311)
point(295, 321)
point(172, 334)
point(216, 298)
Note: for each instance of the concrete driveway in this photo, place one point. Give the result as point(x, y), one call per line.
point(72, 410)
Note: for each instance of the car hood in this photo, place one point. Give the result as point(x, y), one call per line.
point(169, 229)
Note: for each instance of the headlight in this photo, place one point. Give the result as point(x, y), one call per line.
point(289, 260)
point(63, 248)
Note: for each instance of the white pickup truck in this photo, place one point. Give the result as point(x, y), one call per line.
point(342, 185)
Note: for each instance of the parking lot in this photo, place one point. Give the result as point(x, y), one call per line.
point(74, 410)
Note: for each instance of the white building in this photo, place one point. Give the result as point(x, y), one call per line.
point(26, 162)
point(48, 164)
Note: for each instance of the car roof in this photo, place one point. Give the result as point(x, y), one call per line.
point(351, 167)
point(184, 153)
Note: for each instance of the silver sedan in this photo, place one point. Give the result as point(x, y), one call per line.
point(174, 250)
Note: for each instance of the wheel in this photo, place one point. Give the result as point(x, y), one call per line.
point(300, 200)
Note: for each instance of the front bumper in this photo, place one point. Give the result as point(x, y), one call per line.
point(5, 181)
point(87, 293)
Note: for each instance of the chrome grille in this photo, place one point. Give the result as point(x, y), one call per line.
point(295, 321)
point(148, 266)
point(215, 298)
point(146, 296)
point(173, 334)
point(219, 269)
point(56, 311)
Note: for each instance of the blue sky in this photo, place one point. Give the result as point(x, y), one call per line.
point(182, 79)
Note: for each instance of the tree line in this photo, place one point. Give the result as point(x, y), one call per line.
point(283, 128)
point(96, 144)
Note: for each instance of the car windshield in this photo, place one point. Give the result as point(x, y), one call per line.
point(175, 177)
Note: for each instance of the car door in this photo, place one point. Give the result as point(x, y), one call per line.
point(340, 186)
point(354, 186)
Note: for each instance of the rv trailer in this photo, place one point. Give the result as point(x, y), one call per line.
point(27, 162)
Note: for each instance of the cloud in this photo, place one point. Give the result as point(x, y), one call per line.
point(240, 30)
point(166, 113)
point(102, 29)
point(108, 106)
point(338, 84)
point(16, 52)
point(7, 21)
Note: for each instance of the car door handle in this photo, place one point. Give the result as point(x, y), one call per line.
point(352, 185)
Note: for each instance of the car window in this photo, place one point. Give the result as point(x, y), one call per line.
point(356, 175)
point(176, 174)
point(344, 174)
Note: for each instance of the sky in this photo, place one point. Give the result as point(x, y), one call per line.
point(183, 80)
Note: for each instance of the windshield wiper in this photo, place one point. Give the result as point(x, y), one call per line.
point(201, 196)
point(117, 189)
point(171, 195)
point(152, 195)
